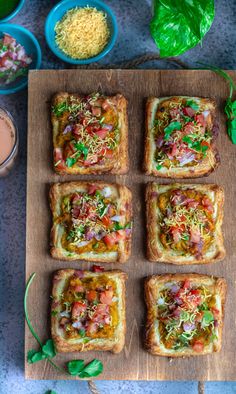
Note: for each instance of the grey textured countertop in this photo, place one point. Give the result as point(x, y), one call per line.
point(218, 48)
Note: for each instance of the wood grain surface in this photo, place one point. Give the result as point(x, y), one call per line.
point(134, 363)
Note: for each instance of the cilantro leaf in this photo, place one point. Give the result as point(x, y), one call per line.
point(75, 367)
point(33, 356)
point(49, 348)
point(192, 104)
point(207, 318)
point(92, 369)
point(171, 127)
point(70, 161)
point(60, 108)
point(82, 149)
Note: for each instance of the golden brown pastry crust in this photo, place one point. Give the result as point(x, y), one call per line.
point(113, 166)
point(124, 198)
point(209, 164)
point(114, 344)
point(155, 250)
point(151, 287)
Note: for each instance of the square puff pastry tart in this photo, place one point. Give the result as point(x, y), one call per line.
point(184, 314)
point(90, 134)
point(180, 137)
point(184, 223)
point(91, 221)
point(88, 310)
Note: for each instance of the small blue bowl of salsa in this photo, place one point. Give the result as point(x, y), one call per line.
point(26, 39)
point(9, 9)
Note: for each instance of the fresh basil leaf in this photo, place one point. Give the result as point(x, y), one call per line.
point(34, 356)
point(70, 161)
point(180, 25)
point(159, 167)
point(171, 127)
point(192, 104)
point(94, 368)
point(75, 367)
point(49, 348)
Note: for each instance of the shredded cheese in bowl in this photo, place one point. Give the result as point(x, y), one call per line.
point(82, 32)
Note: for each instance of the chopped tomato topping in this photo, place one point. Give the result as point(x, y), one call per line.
point(194, 297)
point(78, 309)
point(79, 289)
point(102, 133)
point(94, 160)
point(92, 189)
point(106, 297)
point(91, 295)
point(189, 128)
point(200, 119)
point(105, 105)
point(107, 153)
point(188, 111)
point(92, 328)
point(206, 202)
point(205, 143)
point(97, 268)
point(114, 237)
point(111, 239)
point(186, 284)
point(106, 221)
point(215, 312)
point(96, 111)
point(58, 159)
point(174, 112)
point(198, 346)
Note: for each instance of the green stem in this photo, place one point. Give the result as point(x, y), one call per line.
point(32, 276)
point(57, 366)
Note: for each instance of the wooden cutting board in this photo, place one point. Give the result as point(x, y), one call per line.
point(134, 363)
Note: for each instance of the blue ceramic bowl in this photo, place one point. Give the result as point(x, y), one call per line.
point(31, 45)
point(59, 11)
point(14, 12)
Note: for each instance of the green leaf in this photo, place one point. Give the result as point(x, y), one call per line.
point(159, 167)
point(75, 367)
point(81, 148)
point(70, 161)
point(34, 356)
point(94, 368)
point(171, 127)
point(192, 104)
point(180, 25)
point(207, 318)
point(49, 348)
point(203, 307)
point(60, 108)
point(54, 313)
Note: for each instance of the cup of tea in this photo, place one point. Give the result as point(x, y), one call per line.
point(9, 141)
